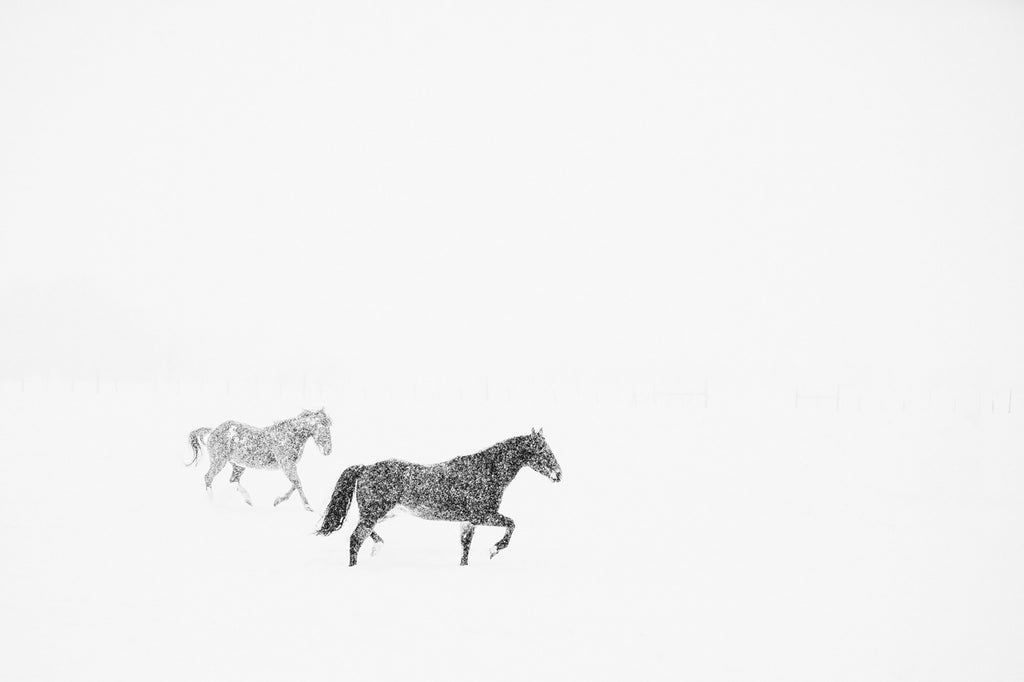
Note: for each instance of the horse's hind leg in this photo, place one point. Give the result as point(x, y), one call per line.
point(377, 542)
point(236, 476)
point(364, 528)
point(467, 538)
point(216, 464)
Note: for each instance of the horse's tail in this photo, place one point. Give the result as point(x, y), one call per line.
point(340, 500)
point(197, 438)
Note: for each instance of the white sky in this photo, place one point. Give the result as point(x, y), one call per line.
point(762, 190)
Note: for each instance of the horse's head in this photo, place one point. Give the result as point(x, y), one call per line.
point(321, 425)
point(540, 458)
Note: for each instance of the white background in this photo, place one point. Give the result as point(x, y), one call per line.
point(654, 229)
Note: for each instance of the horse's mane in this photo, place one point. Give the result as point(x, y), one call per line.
point(291, 420)
point(505, 447)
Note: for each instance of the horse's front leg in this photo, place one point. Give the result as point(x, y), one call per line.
point(364, 528)
point(293, 476)
point(285, 496)
point(502, 521)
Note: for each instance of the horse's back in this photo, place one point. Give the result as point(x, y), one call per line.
point(233, 429)
point(389, 472)
point(451, 490)
point(243, 444)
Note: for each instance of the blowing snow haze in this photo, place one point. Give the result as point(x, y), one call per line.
point(768, 196)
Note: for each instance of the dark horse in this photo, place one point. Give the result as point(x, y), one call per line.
point(466, 489)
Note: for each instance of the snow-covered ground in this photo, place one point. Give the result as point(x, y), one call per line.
point(450, 222)
point(684, 542)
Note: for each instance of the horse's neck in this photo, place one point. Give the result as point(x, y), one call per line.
point(297, 428)
point(507, 462)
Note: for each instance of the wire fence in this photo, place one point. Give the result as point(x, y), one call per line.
point(703, 394)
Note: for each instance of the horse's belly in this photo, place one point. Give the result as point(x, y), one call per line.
point(419, 511)
point(254, 460)
point(435, 512)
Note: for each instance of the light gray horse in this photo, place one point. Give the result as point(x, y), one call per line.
point(278, 446)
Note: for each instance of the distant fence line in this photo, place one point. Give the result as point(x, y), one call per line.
point(816, 397)
point(701, 397)
point(486, 390)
